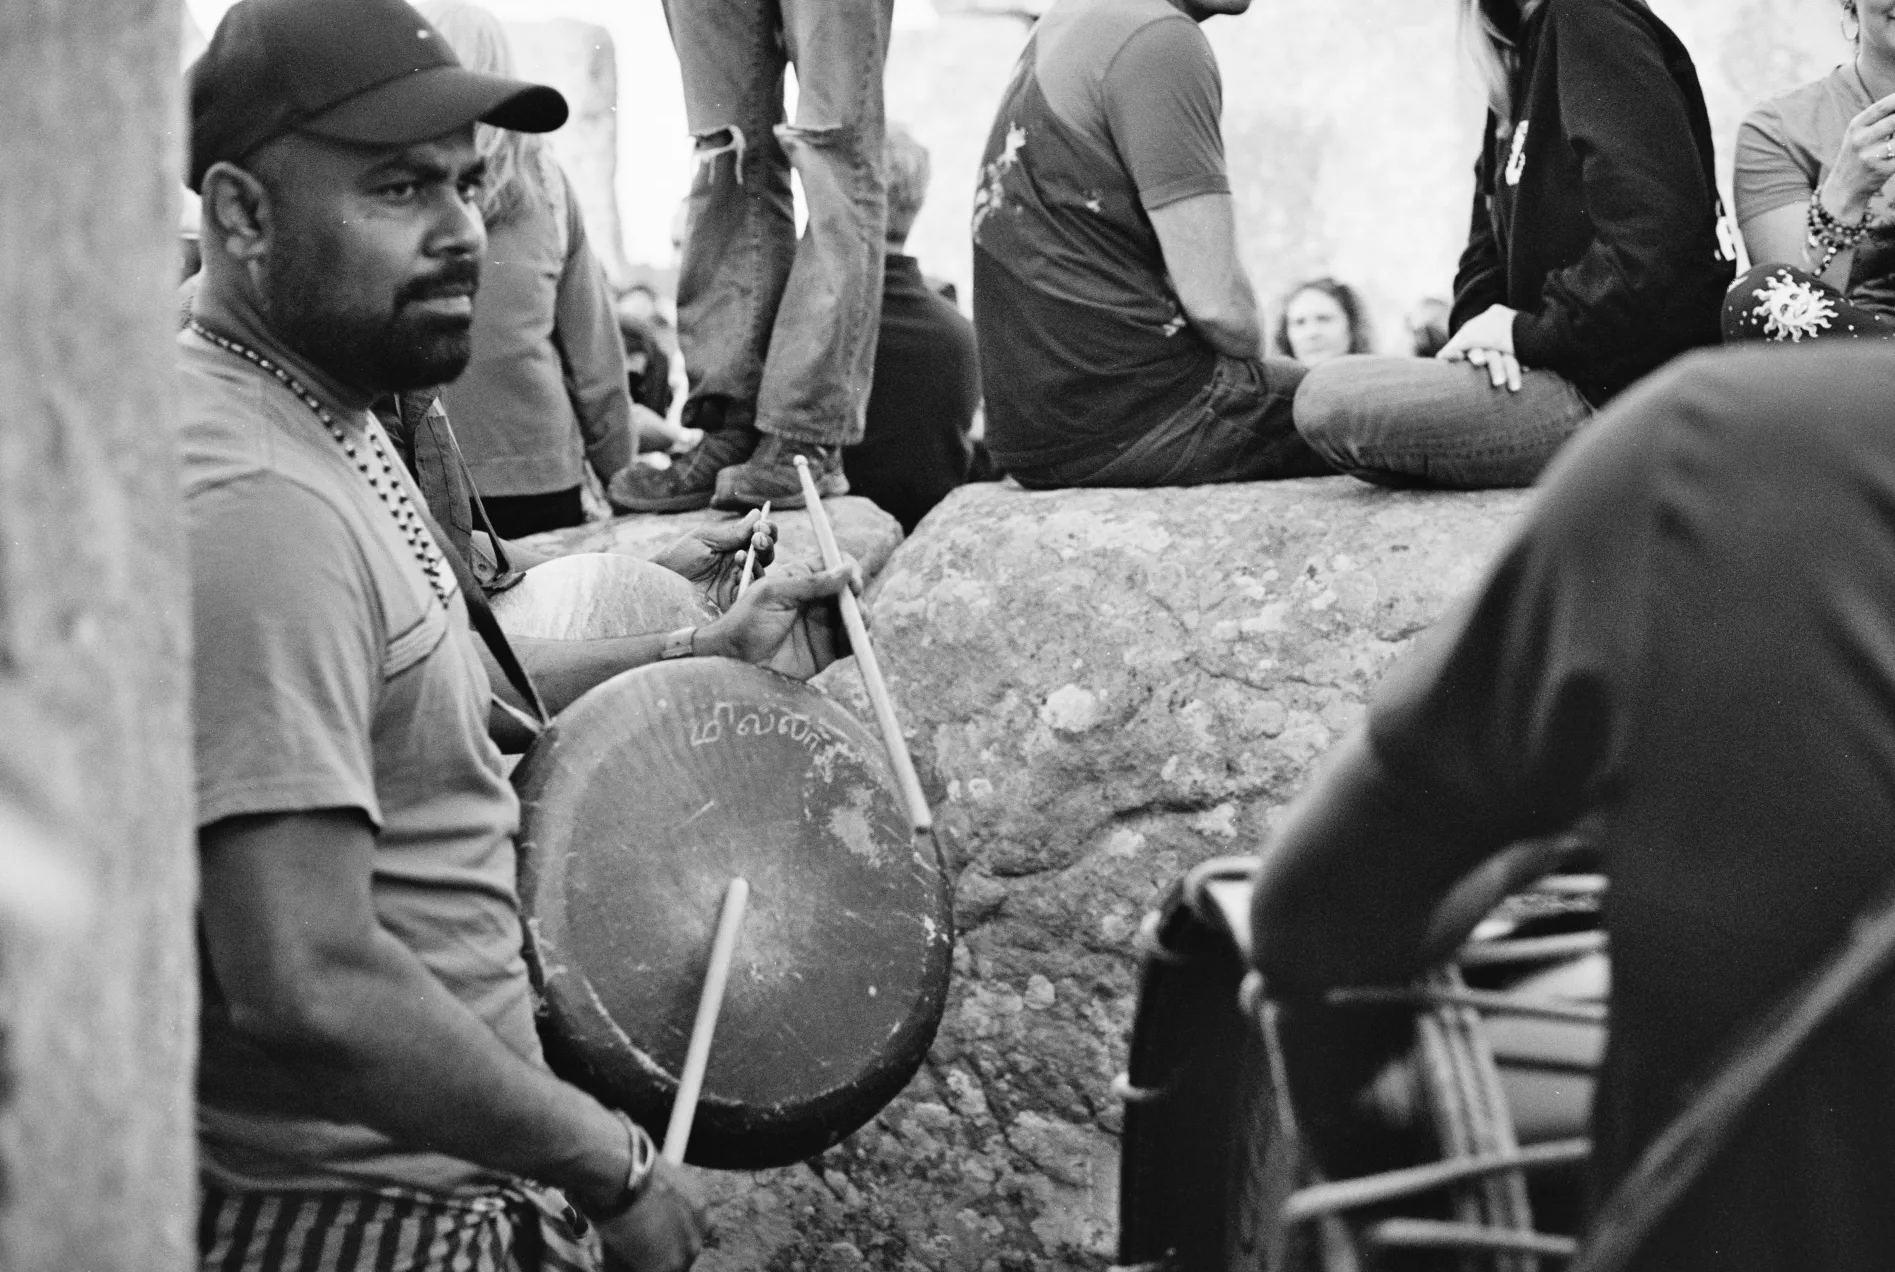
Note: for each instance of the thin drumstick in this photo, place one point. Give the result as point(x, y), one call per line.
point(750, 553)
point(698, 1055)
point(918, 812)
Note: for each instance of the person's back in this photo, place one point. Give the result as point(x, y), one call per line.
point(1083, 339)
point(1087, 337)
point(1691, 643)
point(915, 447)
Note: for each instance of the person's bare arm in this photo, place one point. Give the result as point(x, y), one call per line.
point(1863, 164)
point(315, 981)
point(312, 979)
point(754, 629)
point(1198, 237)
point(1781, 237)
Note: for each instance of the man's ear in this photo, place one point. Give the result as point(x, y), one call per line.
point(237, 213)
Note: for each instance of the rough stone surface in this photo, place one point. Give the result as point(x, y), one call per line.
point(862, 530)
point(96, 1137)
point(1102, 688)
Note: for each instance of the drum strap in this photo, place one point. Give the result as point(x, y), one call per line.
point(480, 614)
point(1674, 1161)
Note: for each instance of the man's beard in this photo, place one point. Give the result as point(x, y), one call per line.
point(383, 350)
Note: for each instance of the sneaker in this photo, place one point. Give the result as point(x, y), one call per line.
point(687, 485)
point(770, 476)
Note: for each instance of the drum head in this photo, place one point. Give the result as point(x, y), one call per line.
point(639, 804)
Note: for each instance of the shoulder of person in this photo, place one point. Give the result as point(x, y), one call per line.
point(1112, 26)
point(276, 512)
point(1805, 101)
point(1612, 20)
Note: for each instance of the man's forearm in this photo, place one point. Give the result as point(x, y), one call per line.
point(1237, 336)
point(411, 1061)
point(562, 670)
point(312, 978)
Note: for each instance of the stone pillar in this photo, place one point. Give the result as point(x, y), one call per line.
point(100, 1024)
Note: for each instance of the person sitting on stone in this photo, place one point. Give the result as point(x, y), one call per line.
point(1119, 338)
point(915, 448)
point(1323, 319)
point(545, 395)
point(370, 1075)
point(1597, 253)
point(1813, 181)
point(1685, 648)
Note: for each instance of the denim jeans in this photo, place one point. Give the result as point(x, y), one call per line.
point(782, 327)
point(1423, 422)
point(1238, 428)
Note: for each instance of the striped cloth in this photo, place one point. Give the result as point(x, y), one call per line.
point(522, 1229)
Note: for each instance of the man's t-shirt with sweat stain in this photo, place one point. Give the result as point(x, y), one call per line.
point(1112, 113)
point(330, 676)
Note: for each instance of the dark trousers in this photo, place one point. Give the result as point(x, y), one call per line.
point(1240, 427)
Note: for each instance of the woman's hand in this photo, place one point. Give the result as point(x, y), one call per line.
point(1864, 162)
point(1486, 340)
point(711, 556)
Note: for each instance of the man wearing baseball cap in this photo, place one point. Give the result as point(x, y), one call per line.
point(371, 1092)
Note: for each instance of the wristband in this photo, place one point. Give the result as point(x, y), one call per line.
point(1831, 235)
point(680, 644)
point(638, 1177)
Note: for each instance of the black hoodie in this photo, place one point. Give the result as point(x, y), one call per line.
point(1596, 212)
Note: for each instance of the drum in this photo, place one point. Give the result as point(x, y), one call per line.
point(1439, 1125)
point(639, 804)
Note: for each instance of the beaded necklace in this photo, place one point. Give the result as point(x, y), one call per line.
point(389, 488)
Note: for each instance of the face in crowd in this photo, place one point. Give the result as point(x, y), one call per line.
point(1876, 21)
point(1317, 327)
point(365, 260)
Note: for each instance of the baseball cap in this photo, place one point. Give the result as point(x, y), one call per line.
point(366, 71)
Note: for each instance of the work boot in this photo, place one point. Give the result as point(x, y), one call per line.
point(687, 485)
point(770, 475)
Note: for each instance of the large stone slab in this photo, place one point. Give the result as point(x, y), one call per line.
point(862, 529)
point(1102, 689)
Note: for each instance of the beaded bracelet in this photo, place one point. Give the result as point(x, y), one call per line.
point(1827, 232)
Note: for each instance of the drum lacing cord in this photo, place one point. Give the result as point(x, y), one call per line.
point(1493, 1219)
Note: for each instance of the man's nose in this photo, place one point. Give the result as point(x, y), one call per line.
point(459, 229)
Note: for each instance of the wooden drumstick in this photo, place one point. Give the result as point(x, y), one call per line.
point(750, 553)
point(918, 812)
point(698, 1055)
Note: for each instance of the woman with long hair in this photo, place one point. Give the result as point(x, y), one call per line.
point(545, 394)
point(1815, 168)
point(1595, 254)
point(1323, 319)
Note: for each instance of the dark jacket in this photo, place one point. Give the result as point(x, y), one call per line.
point(1596, 214)
point(914, 448)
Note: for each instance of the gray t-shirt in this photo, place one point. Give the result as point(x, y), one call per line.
point(1112, 113)
point(328, 675)
point(1784, 149)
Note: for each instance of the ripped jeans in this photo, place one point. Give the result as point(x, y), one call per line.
point(781, 327)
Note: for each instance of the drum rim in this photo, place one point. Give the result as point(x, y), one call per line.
point(575, 1029)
